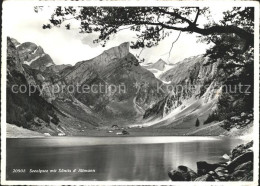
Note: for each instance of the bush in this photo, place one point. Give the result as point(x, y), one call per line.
point(55, 119)
point(29, 116)
point(197, 123)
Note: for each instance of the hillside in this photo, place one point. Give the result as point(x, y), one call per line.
point(113, 89)
point(198, 92)
point(73, 112)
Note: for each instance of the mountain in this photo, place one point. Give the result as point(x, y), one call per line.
point(22, 108)
point(113, 89)
point(15, 42)
point(34, 56)
point(68, 111)
point(199, 94)
point(56, 68)
point(190, 69)
point(114, 68)
point(194, 94)
point(41, 109)
point(158, 65)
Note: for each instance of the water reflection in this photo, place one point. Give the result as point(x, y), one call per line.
point(112, 158)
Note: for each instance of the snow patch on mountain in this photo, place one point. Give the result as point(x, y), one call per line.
point(34, 59)
point(49, 64)
point(35, 50)
point(157, 73)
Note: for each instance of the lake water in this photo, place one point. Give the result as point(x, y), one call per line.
point(110, 158)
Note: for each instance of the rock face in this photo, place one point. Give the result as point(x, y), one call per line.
point(240, 168)
point(39, 108)
point(22, 108)
point(240, 160)
point(183, 173)
point(56, 68)
point(191, 70)
point(159, 65)
point(241, 149)
point(189, 80)
point(204, 167)
point(205, 177)
point(134, 87)
point(34, 56)
point(123, 98)
point(13, 60)
point(15, 42)
point(103, 64)
point(113, 87)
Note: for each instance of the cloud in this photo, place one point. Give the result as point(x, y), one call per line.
point(88, 40)
point(69, 46)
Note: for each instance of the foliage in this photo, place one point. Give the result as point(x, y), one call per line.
point(55, 120)
point(197, 123)
point(125, 132)
point(22, 108)
point(153, 24)
point(29, 116)
point(236, 60)
point(212, 117)
point(232, 38)
point(229, 106)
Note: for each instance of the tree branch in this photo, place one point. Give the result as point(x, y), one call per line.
point(226, 30)
point(206, 31)
point(192, 26)
point(196, 18)
point(178, 16)
point(172, 45)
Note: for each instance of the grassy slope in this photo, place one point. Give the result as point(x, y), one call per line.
point(13, 131)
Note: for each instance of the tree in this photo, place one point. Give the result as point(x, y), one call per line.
point(212, 117)
point(197, 123)
point(153, 24)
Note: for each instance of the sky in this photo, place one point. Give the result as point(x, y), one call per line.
point(70, 46)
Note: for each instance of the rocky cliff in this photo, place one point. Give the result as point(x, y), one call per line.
point(193, 87)
point(123, 97)
point(13, 60)
point(113, 88)
point(191, 70)
point(37, 106)
point(115, 68)
point(34, 56)
point(200, 93)
point(23, 106)
point(238, 167)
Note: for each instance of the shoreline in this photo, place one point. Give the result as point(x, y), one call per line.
point(14, 131)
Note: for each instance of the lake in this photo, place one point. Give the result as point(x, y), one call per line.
point(110, 158)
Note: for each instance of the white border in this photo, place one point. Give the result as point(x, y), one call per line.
point(130, 3)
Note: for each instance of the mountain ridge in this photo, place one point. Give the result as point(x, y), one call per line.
point(113, 67)
point(141, 104)
point(158, 65)
point(34, 56)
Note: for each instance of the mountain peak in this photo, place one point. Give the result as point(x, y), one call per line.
point(34, 56)
point(160, 61)
point(158, 65)
point(15, 42)
point(118, 51)
point(109, 56)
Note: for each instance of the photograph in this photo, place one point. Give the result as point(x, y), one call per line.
point(130, 93)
